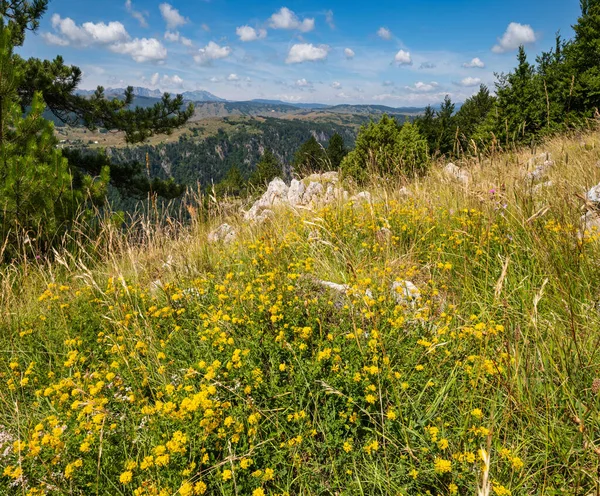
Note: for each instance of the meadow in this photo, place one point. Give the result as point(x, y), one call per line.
point(160, 364)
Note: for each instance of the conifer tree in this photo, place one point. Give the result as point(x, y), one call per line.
point(336, 151)
point(267, 169)
point(310, 157)
point(35, 182)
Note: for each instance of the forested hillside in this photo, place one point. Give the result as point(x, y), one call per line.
point(193, 160)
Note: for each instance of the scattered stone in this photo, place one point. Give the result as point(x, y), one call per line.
point(404, 191)
point(405, 292)
point(455, 172)
point(363, 196)
point(340, 288)
point(156, 287)
point(541, 165)
point(225, 233)
point(591, 221)
point(593, 195)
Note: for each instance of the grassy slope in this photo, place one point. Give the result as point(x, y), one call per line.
point(244, 376)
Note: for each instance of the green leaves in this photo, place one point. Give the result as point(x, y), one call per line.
point(386, 148)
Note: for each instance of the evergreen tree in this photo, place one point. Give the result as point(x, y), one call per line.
point(35, 183)
point(445, 127)
point(428, 127)
point(384, 148)
point(232, 185)
point(582, 56)
point(310, 157)
point(267, 169)
point(472, 114)
point(411, 150)
point(336, 151)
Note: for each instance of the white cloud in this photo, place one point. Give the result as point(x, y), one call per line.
point(403, 58)
point(427, 65)
point(211, 52)
point(384, 33)
point(248, 33)
point(141, 49)
point(303, 83)
point(349, 53)
point(214, 79)
point(112, 36)
point(286, 19)
point(476, 63)
point(336, 85)
point(154, 79)
point(516, 35)
point(172, 16)
point(136, 14)
point(233, 77)
point(329, 19)
point(470, 81)
point(421, 87)
point(174, 37)
point(52, 39)
point(172, 81)
point(87, 34)
point(306, 52)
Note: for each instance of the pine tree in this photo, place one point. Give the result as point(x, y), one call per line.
point(472, 114)
point(411, 150)
point(445, 127)
point(35, 183)
point(336, 151)
point(267, 169)
point(310, 157)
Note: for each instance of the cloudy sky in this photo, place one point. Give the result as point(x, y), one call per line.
point(392, 52)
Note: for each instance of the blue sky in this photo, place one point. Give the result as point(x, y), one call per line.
point(397, 53)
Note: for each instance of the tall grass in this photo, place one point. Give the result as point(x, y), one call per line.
point(150, 362)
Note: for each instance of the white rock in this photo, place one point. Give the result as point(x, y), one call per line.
point(405, 292)
point(296, 192)
point(313, 194)
point(340, 288)
point(363, 196)
point(541, 165)
point(225, 233)
point(276, 194)
point(455, 172)
point(593, 195)
point(591, 221)
point(326, 177)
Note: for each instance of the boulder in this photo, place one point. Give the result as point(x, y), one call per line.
point(296, 192)
point(405, 292)
point(591, 222)
point(276, 194)
point(455, 172)
point(340, 288)
point(593, 195)
point(313, 194)
point(224, 233)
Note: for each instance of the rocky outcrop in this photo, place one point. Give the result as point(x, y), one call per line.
point(312, 191)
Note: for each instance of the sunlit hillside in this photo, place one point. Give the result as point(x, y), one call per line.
point(433, 337)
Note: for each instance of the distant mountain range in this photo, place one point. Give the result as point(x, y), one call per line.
point(192, 96)
point(147, 97)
